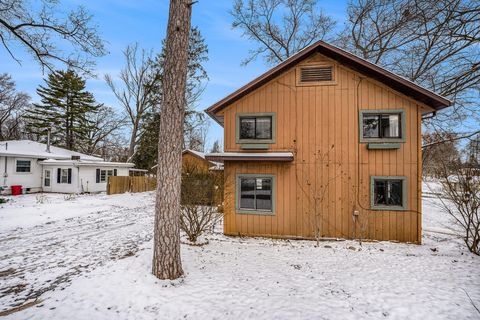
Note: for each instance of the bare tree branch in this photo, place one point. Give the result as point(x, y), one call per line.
point(280, 27)
point(40, 29)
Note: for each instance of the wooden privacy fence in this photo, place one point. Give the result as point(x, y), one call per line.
point(121, 184)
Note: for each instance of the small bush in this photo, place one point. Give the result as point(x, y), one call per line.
point(201, 193)
point(41, 198)
point(70, 197)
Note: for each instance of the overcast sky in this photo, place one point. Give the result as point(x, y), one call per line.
point(122, 22)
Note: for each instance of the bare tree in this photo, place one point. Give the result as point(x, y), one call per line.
point(106, 124)
point(280, 27)
point(134, 92)
point(460, 198)
point(437, 155)
point(431, 42)
point(41, 29)
point(216, 148)
point(12, 107)
point(167, 262)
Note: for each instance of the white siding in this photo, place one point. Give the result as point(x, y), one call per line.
point(73, 187)
point(28, 180)
point(83, 177)
point(88, 178)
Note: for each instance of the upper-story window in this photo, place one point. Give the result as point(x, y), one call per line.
point(382, 126)
point(256, 128)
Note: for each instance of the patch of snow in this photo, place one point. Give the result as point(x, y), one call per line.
point(102, 262)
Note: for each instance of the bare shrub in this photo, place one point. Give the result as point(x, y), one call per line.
point(200, 203)
point(460, 198)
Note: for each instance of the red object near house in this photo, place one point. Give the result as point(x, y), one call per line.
point(16, 190)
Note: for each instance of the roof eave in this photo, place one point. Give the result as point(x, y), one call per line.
point(424, 95)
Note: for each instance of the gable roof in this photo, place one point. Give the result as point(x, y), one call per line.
point(398, 83)
point(32, 149)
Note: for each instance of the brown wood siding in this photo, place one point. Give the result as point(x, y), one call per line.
point(320, 125)
point(190, 162)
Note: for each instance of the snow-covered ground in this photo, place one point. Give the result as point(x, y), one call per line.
point(90, 258)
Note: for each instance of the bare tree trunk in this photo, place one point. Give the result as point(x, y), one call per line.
point(133, 141)
point(167, 262)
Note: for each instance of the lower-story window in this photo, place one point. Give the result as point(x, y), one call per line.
point(389, 193)
point(102, 175)
point(64, 175)
point(255, 193)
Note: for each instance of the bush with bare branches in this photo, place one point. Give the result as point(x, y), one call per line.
point(200, 210)
point(460, 198)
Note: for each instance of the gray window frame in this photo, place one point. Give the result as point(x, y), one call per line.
point(254, 115)
point(403, 125)
point(239, 210)
point(404, 205)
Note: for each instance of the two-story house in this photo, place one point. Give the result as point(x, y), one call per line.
point(324, 145)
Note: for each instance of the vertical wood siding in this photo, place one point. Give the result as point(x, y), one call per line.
point(320, 125)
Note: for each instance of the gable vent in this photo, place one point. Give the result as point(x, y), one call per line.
point(316, 74)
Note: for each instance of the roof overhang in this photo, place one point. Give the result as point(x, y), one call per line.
point(251, 156)
point(86, 164)
point(396, 82)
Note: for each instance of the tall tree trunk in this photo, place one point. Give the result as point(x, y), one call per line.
point(167, 262)
point(133, 141)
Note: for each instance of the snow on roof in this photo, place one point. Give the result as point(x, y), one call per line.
point(216, 165)
point(32, 149)
point(87, 163)
point(197, 153)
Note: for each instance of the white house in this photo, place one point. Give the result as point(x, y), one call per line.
point(38, 167)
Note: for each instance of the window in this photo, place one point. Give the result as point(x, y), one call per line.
point(64, 176)
point(23, 165)
point(382, 126)
point(102, 175)
point(255, 194)
point(46, 178)
point(388, 193)
point(256, 128)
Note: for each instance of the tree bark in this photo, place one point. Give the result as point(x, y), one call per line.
point(167, 262)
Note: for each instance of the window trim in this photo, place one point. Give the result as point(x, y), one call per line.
point(238, 176)
point(316, 83)
point(23, 172)
point(403, 207)
point(403, 125)
point(255, 114)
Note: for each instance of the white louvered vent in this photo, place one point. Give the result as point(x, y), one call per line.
point(316, 74)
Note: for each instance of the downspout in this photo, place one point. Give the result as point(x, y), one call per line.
point(5, 174)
